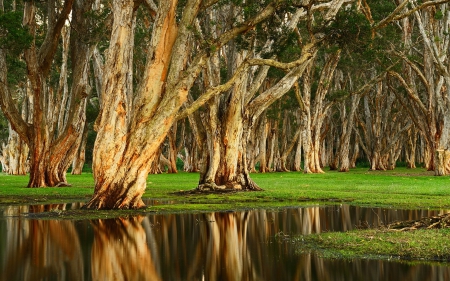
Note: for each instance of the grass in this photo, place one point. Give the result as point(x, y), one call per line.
point(419, 245)
point(402, 188)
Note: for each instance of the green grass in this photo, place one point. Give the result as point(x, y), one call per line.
point(402, 188)
point(419, 245)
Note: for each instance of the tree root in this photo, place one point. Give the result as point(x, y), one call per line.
point(435, 222)
point(62, 184)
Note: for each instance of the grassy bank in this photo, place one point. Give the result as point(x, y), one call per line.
point(418, 245)
point(402, 188)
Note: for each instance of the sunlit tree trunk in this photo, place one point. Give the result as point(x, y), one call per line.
point(38, 65)
point(225, 167)
point(120, 171)
point(129, 135)
point(236, 125)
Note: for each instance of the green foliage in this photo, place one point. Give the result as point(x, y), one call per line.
point(142, 38)
point(3, 128)
point(438, 15)
point(338, 95)
point(13, 36)
point(99, 30)
point(349, 30)
point(286, 102)
point(380, 9)
point(17, 70)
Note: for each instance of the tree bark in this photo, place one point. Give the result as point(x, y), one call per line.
point(348, 128)
point(80, 155)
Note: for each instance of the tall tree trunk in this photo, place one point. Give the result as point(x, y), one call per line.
point(315, 117)
point(130, 134)
point(172, 149)
point(226, 166)
point(120, 169)
point(410, 148)
point(349, 124)
point(14, 154)
point(264, 128)
point(80, 155)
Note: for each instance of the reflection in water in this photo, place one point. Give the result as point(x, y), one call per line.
point(119, 251)
point(214, 246)
point(40, 249)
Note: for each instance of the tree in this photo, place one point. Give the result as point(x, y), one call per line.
point(57, 119)
point(132, 124)
point(427, 83)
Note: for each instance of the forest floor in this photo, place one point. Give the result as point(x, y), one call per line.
point(412, 189)
point(400, 188)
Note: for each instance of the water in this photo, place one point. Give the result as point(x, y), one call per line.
point(213, 246)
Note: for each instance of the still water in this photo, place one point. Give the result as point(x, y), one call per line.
point(214, 246)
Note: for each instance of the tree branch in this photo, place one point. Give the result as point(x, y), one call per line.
point(394, 17)
point(50, 44)
point(8, 105)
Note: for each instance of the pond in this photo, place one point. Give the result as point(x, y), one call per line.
point(246, 245)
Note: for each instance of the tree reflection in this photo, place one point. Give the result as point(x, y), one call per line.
point(41, 249)
point(248, 245)
point(120, 251)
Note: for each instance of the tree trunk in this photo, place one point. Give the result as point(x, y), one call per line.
point(15, 154)
point(173, 149)
point(263, 168)
point(129, 135)
point(410, 149)
point(348, 124)
point(226, 166)
point(314, 119)
point(80, 155)
point(355, 154)
point(443, 162)
point(297, 165)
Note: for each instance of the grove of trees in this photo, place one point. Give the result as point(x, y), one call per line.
point(220, 87)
